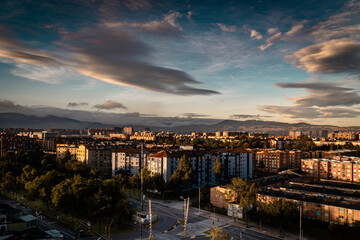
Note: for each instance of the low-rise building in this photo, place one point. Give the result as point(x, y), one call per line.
point(221, 196)
point(333, 209)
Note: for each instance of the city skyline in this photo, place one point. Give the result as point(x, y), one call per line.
point(268, 60)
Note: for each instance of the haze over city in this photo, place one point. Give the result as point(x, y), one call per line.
point(266, 60)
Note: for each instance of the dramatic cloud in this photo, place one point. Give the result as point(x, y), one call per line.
point(334, 26)
point(334, 56)
point(165, 27)
point(137, 4)
point(323, 94)
point(323, 34)
point(223, 27)
point(270, 41)
point(75, 104)
point(119, 58)
point(296, 29)
point(194, 115)
point(47, 74)
point(322, 102)
point(309, 112)
point(272, 31)
point(276, 35)
point(255, 35)
point(112, 56)
point(245, 116)
point(17, 51)
point(109, 105)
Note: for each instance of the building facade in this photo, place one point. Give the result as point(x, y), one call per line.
point(128, 160)
point(340, 168)
point(276, 161)
point(237, 163)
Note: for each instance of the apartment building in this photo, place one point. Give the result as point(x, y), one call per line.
point(237, 162)
point(61, 149)
point(128, 160)
point(276, 161)
point(96, 157)
point(342, 152)
point(11, 142)
point(338, 168)
point(343, 135)
point(143, 136)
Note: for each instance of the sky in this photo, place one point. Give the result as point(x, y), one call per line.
point(287, 61)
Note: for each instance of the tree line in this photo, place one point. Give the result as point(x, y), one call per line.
point(66, 185)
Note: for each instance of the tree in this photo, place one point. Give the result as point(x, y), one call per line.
point(218, 170)
point(217, 233)
point(10, 182)
point(122, 177)
point(157, 182)
point(42, 185)
point(281, 212)
point(244, 192)
point(62, 196)
point(184, 174)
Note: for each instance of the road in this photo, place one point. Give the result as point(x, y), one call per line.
point(169, 216)
point(44, 222)
point(243, 233)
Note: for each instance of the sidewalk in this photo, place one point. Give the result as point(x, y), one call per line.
point(202, 228)
point(220, 220)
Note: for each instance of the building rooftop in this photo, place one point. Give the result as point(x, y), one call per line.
point(319, 199)
point(28, 218)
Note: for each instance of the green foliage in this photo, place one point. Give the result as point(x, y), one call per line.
point(243, 191)
point(217, 233)
point(10, 182)
point(72, 188)
point(42, 185)
point(122, 177)
point(184, 174)
point(281, 213)
point(218, 170)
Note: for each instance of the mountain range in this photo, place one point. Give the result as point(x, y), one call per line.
point(18, 120)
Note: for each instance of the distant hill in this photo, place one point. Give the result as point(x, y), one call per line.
point(254, 126)
point(18, 120)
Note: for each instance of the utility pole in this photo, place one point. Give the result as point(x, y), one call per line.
point(150, 222)
point(300, 222)
point(142, 174)
point(186, 216)
point(184, 206)
point(140, 226)
point(199, 200)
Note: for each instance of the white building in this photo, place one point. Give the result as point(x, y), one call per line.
point(127, 159)
point(237, 162)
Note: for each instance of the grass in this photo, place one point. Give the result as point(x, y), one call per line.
point(207, 232)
